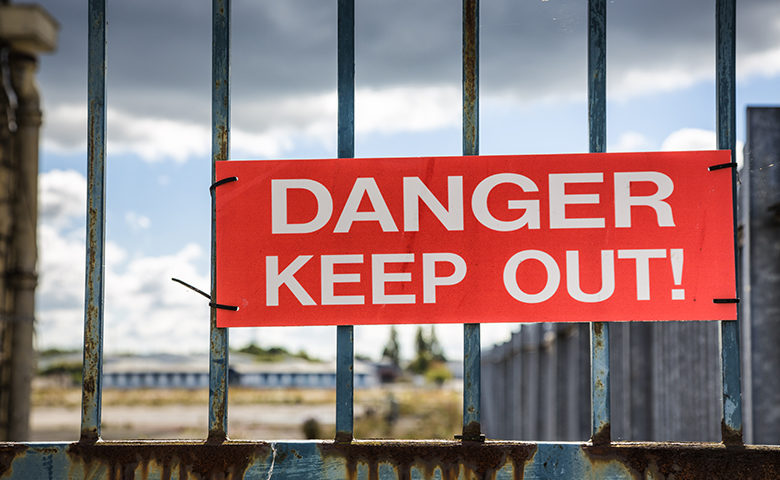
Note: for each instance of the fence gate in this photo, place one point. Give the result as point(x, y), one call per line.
point(467, 456)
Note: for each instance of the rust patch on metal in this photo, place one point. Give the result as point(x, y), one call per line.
point(222, 136)
point(598, 328)
point(88, 385)
point(684, 461)
point(479, 460)
point(603, 436)
point(89, 436)
point(198, 460)
point(8, 453)
point(343, 437)
point(730, 436)
point(472, 432)
point(216, 438)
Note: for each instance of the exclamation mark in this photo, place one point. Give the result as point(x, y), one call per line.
point(677, 270)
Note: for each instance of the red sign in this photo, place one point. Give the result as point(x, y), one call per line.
point(532, 238)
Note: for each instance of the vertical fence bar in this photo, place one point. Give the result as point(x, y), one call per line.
point(345, 357)
point(731, 423)
point(471, 331)
point(92, 373)
point(220, 148)
point(597, 128)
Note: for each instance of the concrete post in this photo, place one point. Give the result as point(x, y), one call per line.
point(22, 277)
point(25, 31)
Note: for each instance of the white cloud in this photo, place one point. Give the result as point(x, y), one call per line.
point(630, 142)
point(643, 81)
point(261, 129)
point(62, 196)
point(690, 139)
point(64, 128)
point(407, 109)
point(155, 139)
point(696, 139)
point(137, 221)
point(144, 310)
point(765, 63)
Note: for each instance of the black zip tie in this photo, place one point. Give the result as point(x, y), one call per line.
point(725, 300)
point(720, 166)
point(192, 288)
point(211, 304)
point(223, 307)
point(222, 182)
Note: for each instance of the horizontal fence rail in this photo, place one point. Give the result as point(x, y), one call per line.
point(550, 381)
point(387, 460)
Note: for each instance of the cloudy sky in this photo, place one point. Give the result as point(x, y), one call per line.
point(661, 61)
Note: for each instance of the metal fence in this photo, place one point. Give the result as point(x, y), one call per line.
point(664, 386)
point(469, 456)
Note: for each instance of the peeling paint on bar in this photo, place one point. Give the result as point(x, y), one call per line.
point(92, 367)
point(472, 382)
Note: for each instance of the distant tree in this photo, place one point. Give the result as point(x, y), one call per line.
point(438, 373)
point(437, 353)
point(422, 357)
point(274, 354)
point(393, 349)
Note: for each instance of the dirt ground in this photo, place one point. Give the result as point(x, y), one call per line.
point(395, 412)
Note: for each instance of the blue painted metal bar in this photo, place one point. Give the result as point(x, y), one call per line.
point(725, 61)
point(472, 382)
point(92, 373)
point(345, 358)
point(220, 150)
point(597, 128)
point(388, 460)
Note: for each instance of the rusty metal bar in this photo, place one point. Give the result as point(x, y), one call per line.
point(597, 129)
point(471, 331)
point(345, 358)
point(92, 368)
point(725, 68)
point(220, 150)
point(388, 460)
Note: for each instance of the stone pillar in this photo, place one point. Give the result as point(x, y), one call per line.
point(22, 276)
point(25, 31)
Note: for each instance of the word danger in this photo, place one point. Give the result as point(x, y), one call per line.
point(416, 192)
point(588, 237)
point(380, 277)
